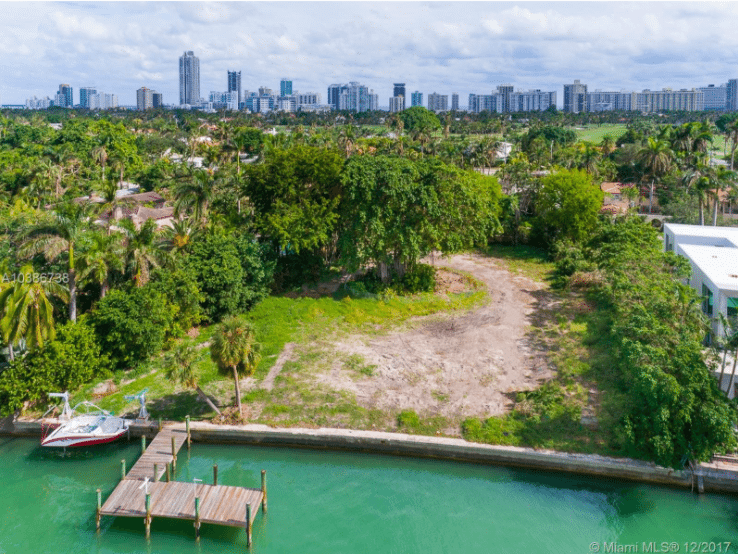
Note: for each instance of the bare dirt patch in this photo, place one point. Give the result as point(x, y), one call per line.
point(468, 365)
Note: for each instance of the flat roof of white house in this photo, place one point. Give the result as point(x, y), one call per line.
point(707, 231)
point(718, 263)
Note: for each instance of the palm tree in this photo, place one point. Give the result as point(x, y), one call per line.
point(176, 239)
point(233, 345)
point(182, 368)
point(195, 194)
point(104, 255)
point(59, 237)
point(100, 155)
point(26, 310)
point(656, 158)
point(141, 253)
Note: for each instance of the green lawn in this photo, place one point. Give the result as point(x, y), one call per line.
point(594, 133)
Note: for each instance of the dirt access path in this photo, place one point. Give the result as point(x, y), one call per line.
point(469, 365)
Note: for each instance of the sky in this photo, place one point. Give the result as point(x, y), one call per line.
point(443, 47)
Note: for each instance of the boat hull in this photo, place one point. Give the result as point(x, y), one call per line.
point(71, 442)
point(87, 430)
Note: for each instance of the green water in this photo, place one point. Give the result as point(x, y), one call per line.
point(329, 502)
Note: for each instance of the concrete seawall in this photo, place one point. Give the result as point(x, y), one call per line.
point(715, 477)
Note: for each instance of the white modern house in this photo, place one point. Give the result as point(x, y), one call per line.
point(713, 254)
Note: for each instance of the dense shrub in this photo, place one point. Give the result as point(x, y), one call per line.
point(294, 269)
point(72, 359)
point(232, 272)
point(179, 286)
point(132, 326)
point(420, 278)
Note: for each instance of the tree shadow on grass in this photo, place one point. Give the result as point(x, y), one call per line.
point(177, 406)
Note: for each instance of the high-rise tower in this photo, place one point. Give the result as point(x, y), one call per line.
point(575, 97)
point(234, 84)
point(285, 87)
point(189, 78)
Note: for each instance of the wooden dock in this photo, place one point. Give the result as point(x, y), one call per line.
point(140, 493)
point(161, 452)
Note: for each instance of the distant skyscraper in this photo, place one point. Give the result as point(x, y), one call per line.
point(145, 98)
point(505, 91)
point(85, 94)
point(334, 95)
point(455, 102)
point(715, 97)
point(189, 78)
point(731, 100)
point(438, 102)
point(285, 87)
point(575, 97)
point(416, 98)
point(65, 96)
point(234, 83)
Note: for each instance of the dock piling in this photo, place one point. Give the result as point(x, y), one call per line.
point(99, 507)
point(187, 425)
point(143, 444)
point(174, 452)
point(122, 469)
point(147, 521)
point(215, 474)
point(169, 472)
point(159, 424)
point(264, 490)
point(156, 472)
point(197, 517)
point(248, 524)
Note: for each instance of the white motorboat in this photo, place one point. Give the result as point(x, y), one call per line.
point(94, 427)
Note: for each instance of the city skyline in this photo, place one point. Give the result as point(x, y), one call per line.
point(431, 47)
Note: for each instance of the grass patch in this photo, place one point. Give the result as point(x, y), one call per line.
point(409, 421)
point(524, 260)
point(356, 362)
point(595, 133)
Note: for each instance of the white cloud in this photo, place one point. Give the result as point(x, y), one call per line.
point(447, 47)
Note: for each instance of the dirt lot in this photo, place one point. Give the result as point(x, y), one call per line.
point(469, 365)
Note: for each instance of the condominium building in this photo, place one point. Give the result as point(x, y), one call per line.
point(438, 102)
point(145, 98)
point(65, 97)
point(731, 95)
point(505, 101)
point(39, 103)
point(505, 91)
point(224, 100)
point(234, 84)
point(485, 102)
point(575, 97)
point(353, 97)
point(285, 87)
point(396, 104)
point(84, 96)
point(398, 91)
point(599, 101)
point(455, 102)
point(714, 98)
point(670, 100)
point(416, 98)
point(189, 78)
point(530, 101)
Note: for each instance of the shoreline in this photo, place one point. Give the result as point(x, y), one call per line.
point(717, 477)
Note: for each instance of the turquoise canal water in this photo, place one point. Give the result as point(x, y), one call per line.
point(335, 502)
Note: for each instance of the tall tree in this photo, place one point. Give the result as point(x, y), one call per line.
point(234, 345)
point(102, 256)
point(27, 312)
point(195, 194)
point(70, 223)
point(141, 252)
